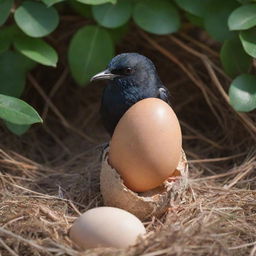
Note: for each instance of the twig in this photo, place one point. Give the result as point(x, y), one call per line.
point(242, 246)
point(12, 252)
point(246, 121)
point(212, 160)
point(205, 94)
point(199, 44)
point(199, 55)
point(208, 64)
point(200, 136)
point(64, 147)
point(217, 176)
point(188, 72)
point(253, 251)
point(48, 213)
point(54, 90)
point(47, 100)
point(56, 111)
point(13, 220)
point(35, 245)
point(158, 252)
point(41, 195)
point(239, 177)
point(75, 208)
point(187, 48)
point(23, 158)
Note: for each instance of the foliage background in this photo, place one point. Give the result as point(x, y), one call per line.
point(50, 174)
point(26, 27)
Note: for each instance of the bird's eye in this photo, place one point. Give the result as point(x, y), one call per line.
point(127, 71)
point(121, 71)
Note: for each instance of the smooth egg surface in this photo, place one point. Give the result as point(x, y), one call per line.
point(146, 145)
point(106, 227)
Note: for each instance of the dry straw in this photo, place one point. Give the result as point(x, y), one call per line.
point(51, 175)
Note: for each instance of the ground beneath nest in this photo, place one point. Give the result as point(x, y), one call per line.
point(51, 175)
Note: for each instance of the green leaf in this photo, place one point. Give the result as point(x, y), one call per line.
point(117, 34)
point(243, 17)
point(248, 39)
point(17, 111)
point(5, 8)
point(195, 7)
point(244, 1)
point(4, 44)
point(17, 128)
point(89, 52)
point(96, 2)
point(82, 9)
point(242, 93)
point(51, 2)
point(158, 17)
point(196, 20)
point(6, 37)
point(216, 19)
point(26, 63)
point(12, 74)
point(234, 59)
point(37, 50)
point(13, 68)
point(5, 41)
point(113, 16)
point(11, 84)
point(35, 19)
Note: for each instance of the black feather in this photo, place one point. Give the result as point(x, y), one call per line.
point(134, 78)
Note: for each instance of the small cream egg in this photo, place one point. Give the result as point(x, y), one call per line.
point(106, 227)
point(146, 145)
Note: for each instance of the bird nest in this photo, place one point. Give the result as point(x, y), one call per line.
point(51, 175)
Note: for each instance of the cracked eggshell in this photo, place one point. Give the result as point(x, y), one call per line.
point(144, 205)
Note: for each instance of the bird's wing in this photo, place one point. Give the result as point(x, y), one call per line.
point(164, 94)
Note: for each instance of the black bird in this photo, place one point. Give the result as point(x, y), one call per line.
point(131, 78)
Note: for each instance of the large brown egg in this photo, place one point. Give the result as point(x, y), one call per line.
point(146, 145)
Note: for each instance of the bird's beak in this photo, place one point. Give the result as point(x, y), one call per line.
point(104, 75)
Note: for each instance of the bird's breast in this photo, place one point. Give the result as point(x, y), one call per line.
point(118, 99)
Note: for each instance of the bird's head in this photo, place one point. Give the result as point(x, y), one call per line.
point(131, 67)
